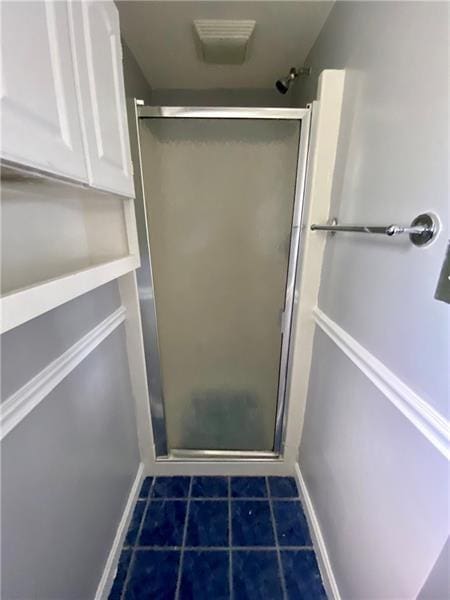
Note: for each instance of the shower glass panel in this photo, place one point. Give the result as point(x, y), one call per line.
point(219, 197)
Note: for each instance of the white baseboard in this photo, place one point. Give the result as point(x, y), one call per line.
point(326, 570)
point(109, 571)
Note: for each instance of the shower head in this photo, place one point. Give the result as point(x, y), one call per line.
point(283, 84)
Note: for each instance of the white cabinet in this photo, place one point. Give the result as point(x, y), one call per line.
point(98, 56)
point(62, 91)
point(63, 114)
point(40, 113)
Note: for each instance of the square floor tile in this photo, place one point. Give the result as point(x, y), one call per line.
point(135, 523)
point(171, 487)
point(256, 575)
point(251, 523)
point(209, 487)
point(290, 521)
point(283, 487)
point(205, 575)
point(154, 574)
point(302, 575)
point(164, 523)
point(145, 488)
point(122, 570)
point(248, 487)
point(207, 523)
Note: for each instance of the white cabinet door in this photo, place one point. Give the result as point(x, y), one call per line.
point(98, 56)
point(40, 114)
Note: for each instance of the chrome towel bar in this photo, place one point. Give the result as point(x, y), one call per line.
point(422, 230)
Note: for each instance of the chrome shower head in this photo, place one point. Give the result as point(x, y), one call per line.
point(283, 84)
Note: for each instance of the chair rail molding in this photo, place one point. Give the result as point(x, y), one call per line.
point(424, 417)
point(25, 399)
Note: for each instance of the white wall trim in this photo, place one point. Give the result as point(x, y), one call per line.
point(24, 400)
point(423, 416)
point(325, 127)
point(241, 467)
point(109, 572)
point(326, 570)
point(136, 363)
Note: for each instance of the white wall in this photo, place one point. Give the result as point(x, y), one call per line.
point(380, 488)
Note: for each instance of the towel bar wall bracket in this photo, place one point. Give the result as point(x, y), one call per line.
point(422, 231)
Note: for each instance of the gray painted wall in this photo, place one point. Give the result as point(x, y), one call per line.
point(437, 586)
point(66, 472)
point(42, 340)
point(67, 468)
point(136, 86)
point(221, 97)
point(380, 488)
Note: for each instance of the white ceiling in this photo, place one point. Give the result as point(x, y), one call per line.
point(161, 38)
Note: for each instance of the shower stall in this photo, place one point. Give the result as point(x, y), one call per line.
point(219, 211)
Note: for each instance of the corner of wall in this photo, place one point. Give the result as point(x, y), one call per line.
point(323, 560)
point(110, 569)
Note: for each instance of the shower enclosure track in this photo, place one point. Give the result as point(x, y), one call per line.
point(146, 296)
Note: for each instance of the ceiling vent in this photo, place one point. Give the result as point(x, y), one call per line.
point(224, 42)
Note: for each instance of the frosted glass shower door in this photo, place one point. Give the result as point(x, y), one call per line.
point(219, 196)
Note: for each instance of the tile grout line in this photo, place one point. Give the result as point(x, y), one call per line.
point(135, 546)
point(183, 542)
point(221, 548)
point(230, 542)
point(275, 533)
point(218, 499)
point(138, 535)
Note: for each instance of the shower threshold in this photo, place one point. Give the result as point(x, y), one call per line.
point(189, 455)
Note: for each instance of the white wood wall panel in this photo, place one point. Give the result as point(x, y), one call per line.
point(98, 54)
point(40, 114)
point(28, 303)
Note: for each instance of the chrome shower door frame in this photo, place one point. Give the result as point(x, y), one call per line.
point(145, 277)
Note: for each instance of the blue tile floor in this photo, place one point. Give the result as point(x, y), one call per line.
point(218, 538)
